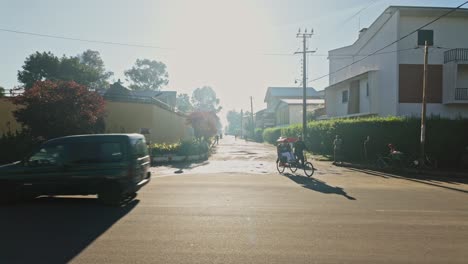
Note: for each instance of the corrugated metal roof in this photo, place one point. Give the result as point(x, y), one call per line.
point(299, 101)
point(290, 92)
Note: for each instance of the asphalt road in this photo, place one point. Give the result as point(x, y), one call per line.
point(235, 208)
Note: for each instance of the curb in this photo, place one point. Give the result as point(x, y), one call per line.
point(174, 158)
point(409, 171)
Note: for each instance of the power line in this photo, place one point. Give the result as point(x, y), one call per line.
point(361, 10)
point(396, 41)
point(83, 40)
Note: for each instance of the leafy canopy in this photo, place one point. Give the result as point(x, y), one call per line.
point(183, 103)
point(86, 69)
point(147, 75)
point(52, 109)
point(204, 100)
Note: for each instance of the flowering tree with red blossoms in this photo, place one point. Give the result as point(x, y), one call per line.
point(59, 108)
point(203, 123)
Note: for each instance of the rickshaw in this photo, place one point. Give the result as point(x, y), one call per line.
point(293, 164)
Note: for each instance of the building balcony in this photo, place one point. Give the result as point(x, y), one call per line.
point(456, 55)
point(455, 77)
point(461, 94)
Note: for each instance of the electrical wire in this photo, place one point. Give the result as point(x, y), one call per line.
point(82, 40)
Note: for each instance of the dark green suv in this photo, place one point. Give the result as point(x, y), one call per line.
point(113, 166)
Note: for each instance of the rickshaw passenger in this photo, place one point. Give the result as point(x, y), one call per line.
point(284, 150)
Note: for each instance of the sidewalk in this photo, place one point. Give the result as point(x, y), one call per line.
point(429, 172)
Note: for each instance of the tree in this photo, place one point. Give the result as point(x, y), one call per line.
point(204, 124)
point(234, 118)
point(86, 69)
point(93, 59)
point(39, 67)
point(2, 92)
point(147, 75)
point(52, 109)
point(204, 100)
point(183, 103)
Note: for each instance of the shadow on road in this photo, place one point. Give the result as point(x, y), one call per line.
point(432, 180)
point(318, 186)
point(54, 230)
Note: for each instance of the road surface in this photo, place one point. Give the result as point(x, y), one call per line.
point(235, 208)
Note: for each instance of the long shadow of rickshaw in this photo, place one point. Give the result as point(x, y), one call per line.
point(318, 185)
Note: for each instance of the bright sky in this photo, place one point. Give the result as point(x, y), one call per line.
point(238, 47)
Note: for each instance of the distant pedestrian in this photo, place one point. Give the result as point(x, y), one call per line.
point(217, 139)
point(367, 148)
point(337, 145)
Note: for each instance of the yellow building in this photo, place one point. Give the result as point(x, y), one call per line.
point(7, 120)
point(124, 115)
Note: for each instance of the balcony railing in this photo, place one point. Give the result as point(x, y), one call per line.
point(456, 55)
point(461, 94)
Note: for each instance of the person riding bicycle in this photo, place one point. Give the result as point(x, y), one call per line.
point(284, 151)
point(395, 155)
point(299, 147)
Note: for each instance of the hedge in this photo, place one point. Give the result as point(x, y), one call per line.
point(14, 146)
point(271, 134)
point(183, 148)
point(445, 139)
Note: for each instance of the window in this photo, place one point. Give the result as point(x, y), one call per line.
point(344, 96)
point(93, 152)
point(139, 148)
point(425, 35)
point(48, 156)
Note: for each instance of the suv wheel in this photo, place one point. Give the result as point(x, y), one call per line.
point(111, 195)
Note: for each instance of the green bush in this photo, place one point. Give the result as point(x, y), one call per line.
point(15, 146)
point(271, 134)
point(258, 137)
point(445, 139)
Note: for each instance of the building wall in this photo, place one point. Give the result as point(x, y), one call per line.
point(121, 117)
point(282, 115)
point(447, 111)
point(364, 102)
point(295, 112)
point(164, 125)
point(7, 120)
point(449, 32)
point(384, 100)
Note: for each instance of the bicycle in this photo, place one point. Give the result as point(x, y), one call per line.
point(295, 164)
point(429, 163)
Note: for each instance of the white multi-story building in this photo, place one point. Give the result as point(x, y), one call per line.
point(389, 83)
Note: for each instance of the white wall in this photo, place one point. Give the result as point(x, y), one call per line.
point(364, 102)
point(385, 64)
point(449, 32)
point(295, 114)
point(447, 111)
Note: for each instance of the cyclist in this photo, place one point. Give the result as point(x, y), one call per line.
point(299, 147)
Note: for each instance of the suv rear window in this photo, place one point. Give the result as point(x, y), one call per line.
point(139, 147)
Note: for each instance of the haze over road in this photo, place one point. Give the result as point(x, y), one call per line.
point(236, 208)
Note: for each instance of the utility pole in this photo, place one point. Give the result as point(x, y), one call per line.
point(423, 111)
point(242, 128)
point(304, 52)
point(252, 116)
